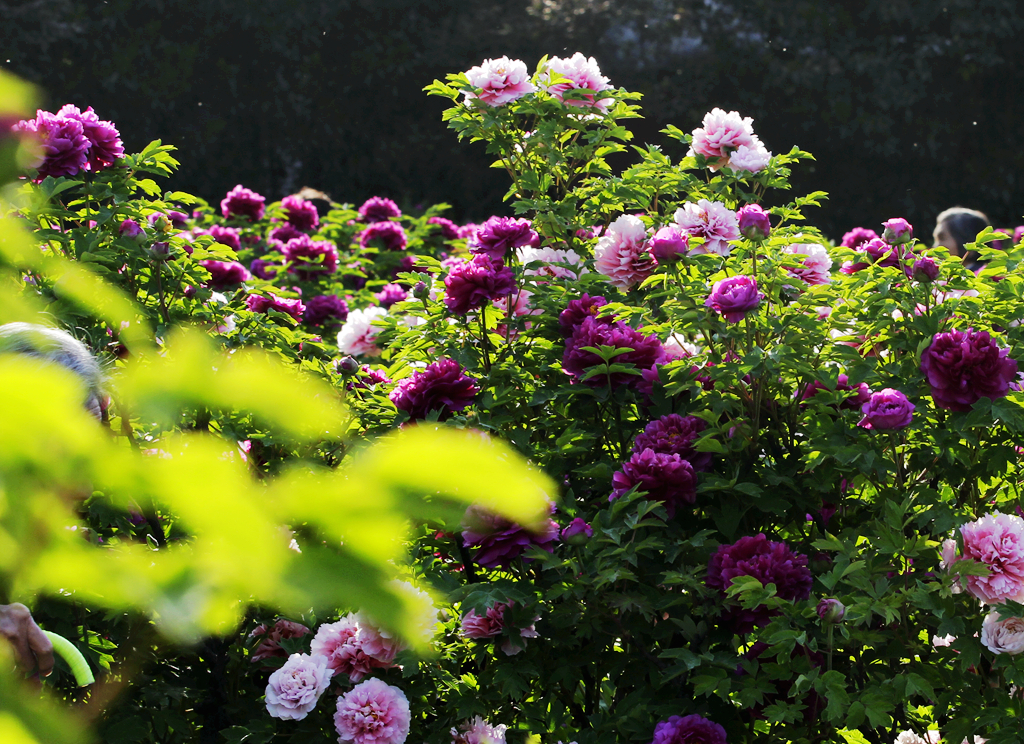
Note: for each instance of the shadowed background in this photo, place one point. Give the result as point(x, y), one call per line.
point(909, 106)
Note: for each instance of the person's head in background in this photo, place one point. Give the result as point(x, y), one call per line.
point(58, 347)
point(956, 227)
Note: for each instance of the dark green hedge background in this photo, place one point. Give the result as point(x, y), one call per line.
point(910, 106)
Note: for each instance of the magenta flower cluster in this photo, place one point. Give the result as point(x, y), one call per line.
point(962, 367)
point(642, 351)
point(308, 258)
point(384, 234)
point(499, 541)
point(734, 298)
point(442, 387)
point(499, 235)
point(72, 141)
point(243, 202)
point(692, 729)
point(767, 561)
point(301, 214)
point(472, 284)
point(378, 209)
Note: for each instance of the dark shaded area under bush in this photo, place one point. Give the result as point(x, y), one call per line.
point(908, 105)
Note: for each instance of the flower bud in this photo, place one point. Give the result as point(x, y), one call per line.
point(159, 222)
point(897, 231)
point(925, 270)
point(189, 292)
point(668, 245)
point(831, 611)
point(160, 250)
point(348, 366)
point(421, 291)
point(754, 222)
point(577, 532)
point(131, 229)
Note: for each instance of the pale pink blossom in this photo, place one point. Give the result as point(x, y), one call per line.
point(751, 158)
point(996, 540)
point(294, 689)
point(943, 641)
point(501, 81)
point(358, 336)
point(721, 134)
point(479, 731)
point(354, 647)
point(557, 263)
point(909, 737)
point(817, 264)
point(713, 221)
point(1003, 636)
point(581, 73)
point(621, 253)
point(372, 712)
point(677, 349)
point(491, 624)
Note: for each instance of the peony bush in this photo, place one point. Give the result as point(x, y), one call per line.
point(788, 501)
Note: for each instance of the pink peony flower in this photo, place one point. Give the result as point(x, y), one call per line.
point(372, 712)
point(499, 541)
point(354, 647)
point(62, 144)
point(555, 263)
point(378, 209)
point(621, 253)
point(583, 74)
point(442, 386)
point(897, 231)
point(294, 689)
point(754, 222)
point(491, 624)
point(384, 234)
point(816, 263)
point(105, 145)
point(271, 643)
point(358, 336)
point(472, 284)
point(501, 81)
point(729, 139)
point(857, 237)
point(997, 540)
point(495, 237)
point(714, 222)
point(668, 245)
point(310, 258)
point(1003, 636)
point(479, 731)
point(692, 729)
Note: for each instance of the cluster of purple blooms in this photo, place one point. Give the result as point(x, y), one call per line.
point(71, 141)
point(498, 541)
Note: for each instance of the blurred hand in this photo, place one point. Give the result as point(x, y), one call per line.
point(32, 648)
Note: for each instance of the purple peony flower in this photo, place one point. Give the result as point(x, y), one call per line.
point(325, 311)
point(309, 258)
point(242, 202)
point(500, 81)
point(754, 222)
point(885, 254)
point(964, 366)
point(688, 730)
point(264, 269)
point(284, 233)
point(857, 237)
point(105, 145)
point(579, 310)
point(674, 435)
point(225, 274)
point(498, 235)
point(860, 394)
point(734, 297)
point(443, 386)
point(925, 269)
point(768, 562)
point(644, 351)
point(390, 294)
point(499, 541)
point(373, 712)
point(62, 141)
point(385, 235)
point(666, 478)
point(449, 230)
point(294, 689)
point(260, 304)
point(178, 219)
point(378, 209)
point(577, 532)
point(888, 409)
point(897, 231)
point(302, 215)
point(472, 284)
point(668, 245)
point(228, 236)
